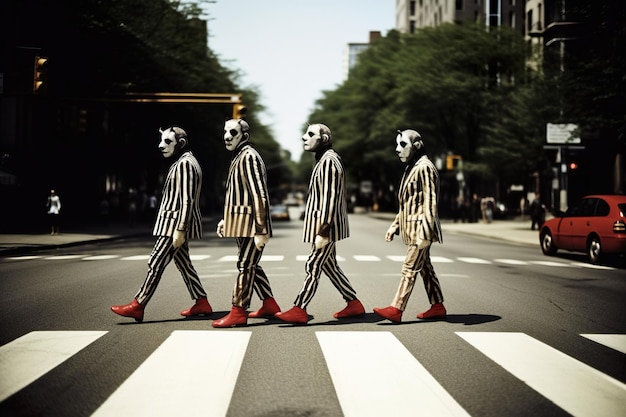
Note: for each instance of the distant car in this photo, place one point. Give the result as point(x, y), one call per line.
point(595, 225)
point(279, 212)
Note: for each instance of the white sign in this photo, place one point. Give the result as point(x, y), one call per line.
point(562, 133)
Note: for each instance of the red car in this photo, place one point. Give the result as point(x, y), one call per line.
point(595, 225)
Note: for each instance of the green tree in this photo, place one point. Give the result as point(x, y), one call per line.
point(446, 82)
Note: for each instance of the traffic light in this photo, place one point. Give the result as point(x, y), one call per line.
point(239, 111)
point(453, 162)
point(573, 165)
point(40, 74)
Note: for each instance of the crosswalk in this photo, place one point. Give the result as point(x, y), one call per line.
point(154, 388)
point(364, 258)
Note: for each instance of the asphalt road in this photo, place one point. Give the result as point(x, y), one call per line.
point(525, 335)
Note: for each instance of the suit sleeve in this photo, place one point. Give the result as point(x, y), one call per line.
point(331, 178)
point(257, 187)
point(427, 178)
point(187, 186)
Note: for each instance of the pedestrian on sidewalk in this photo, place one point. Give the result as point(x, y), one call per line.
point(247, 219)
point(178, 220)
point(537, 213)
point(325, 222)
point(417, 222)
point(54, 212)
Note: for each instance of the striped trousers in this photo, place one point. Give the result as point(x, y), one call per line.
point(417, 261)
point(251, 275)
point(162, 254)
point(323, 260)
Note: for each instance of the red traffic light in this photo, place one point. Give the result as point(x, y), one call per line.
point(573, 165)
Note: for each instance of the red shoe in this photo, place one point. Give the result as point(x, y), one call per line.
point(201, 306)
point(353, 309)
point(133, 309)
point(236, 317)
point(269, 308)
point(294, 315)
point(436, 311)
point(389, 313)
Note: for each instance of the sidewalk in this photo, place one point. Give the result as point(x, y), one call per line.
point(516, 230)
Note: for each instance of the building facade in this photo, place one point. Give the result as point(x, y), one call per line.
point(412, 15)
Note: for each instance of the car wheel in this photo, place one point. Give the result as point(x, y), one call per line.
point(547, 244)
point(594, 249)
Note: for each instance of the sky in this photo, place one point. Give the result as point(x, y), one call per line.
point(291, 51)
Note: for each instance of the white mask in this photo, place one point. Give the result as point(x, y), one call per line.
point(404, 148)
point(313, 137)
point(235, 131)
point(169, 144)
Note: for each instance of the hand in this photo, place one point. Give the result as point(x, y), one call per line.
point(423, 244)
point(220, 228)
point(179, 238)
point(260, 241)
point(320, 242)
point(393, 230)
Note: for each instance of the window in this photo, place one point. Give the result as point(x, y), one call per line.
point(602, 209)
point(459, 4)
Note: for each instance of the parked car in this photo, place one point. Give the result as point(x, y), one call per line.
point(279, 212)
point(595, 225)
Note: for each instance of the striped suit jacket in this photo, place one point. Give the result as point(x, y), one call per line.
point(418, 196)
point(180, 202)
point(247, 202)
point(326, 202)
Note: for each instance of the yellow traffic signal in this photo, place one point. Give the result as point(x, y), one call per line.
point(239, 111)
point(453, 162)
point(40, 75)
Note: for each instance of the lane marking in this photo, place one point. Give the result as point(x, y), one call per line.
point(550, 263)
point(24, 258)
point(99, 257)
point(592, 266)
point(375, 375)
point(193, 373)
point(614, 341)
point(574, 386)
point(63, 257)
point(27, 358)
point(272, 258)
point(136, 258)
point(199, 257)
point(510, 261)
point(473, 260)
point(440, 260)
point(367, 258)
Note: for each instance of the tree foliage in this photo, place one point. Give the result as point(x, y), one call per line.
point(458, 85)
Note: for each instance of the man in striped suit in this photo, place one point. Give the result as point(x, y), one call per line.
point(178, 220)
point(246, 218)
point(418, 223)
point(325, 222)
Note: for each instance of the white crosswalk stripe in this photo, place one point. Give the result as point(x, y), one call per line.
point(407, 387)
point(380, 377)
point(357, 258)
point(614, 341)
point(155, 388)
point(575, 387)
point(24, 360)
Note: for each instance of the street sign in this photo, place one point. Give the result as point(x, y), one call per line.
point(564, 133)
